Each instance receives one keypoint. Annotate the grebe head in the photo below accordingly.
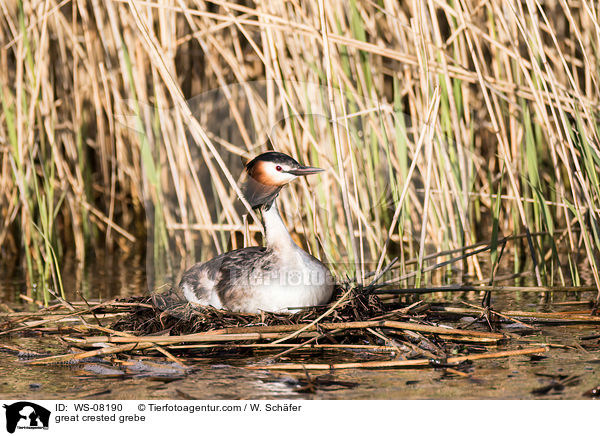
(268, 173)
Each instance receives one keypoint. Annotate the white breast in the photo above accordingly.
(297, 280)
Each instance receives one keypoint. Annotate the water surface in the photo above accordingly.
(226, 378)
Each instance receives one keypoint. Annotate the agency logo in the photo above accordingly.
(26, 415)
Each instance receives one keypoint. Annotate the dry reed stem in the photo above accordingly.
(482, 288)
(74, 357)
(269, 332)
(359, 324)
(363, 347)
(567, 317)
(416, 363)
(196, 337)
(46, 320)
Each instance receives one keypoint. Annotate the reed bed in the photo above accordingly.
(444, 126)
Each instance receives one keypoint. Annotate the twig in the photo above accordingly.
(304, 344)
(356, 325)
(501, 315)
(466, 288)
(44, 321)
(536, 316)
(397, 363)
(86, 354)
(327, 312)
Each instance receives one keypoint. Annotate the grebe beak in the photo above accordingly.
(305, 171)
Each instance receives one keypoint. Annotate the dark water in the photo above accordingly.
(107, 276)
(507, 378)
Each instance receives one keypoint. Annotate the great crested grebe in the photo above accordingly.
(280, 277)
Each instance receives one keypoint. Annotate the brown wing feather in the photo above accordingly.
(229, 274)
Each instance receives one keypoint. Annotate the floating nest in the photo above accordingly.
(170, 313)
(356, 324)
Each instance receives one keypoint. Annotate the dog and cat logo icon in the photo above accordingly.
(26, 415)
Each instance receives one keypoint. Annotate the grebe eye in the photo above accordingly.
(278, 168)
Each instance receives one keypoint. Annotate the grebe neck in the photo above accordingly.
(277, 235)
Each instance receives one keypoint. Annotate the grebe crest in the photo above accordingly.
(274, 278)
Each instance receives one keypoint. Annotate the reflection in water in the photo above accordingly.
(107, 276)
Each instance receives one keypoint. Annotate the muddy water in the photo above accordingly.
(508, 378)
